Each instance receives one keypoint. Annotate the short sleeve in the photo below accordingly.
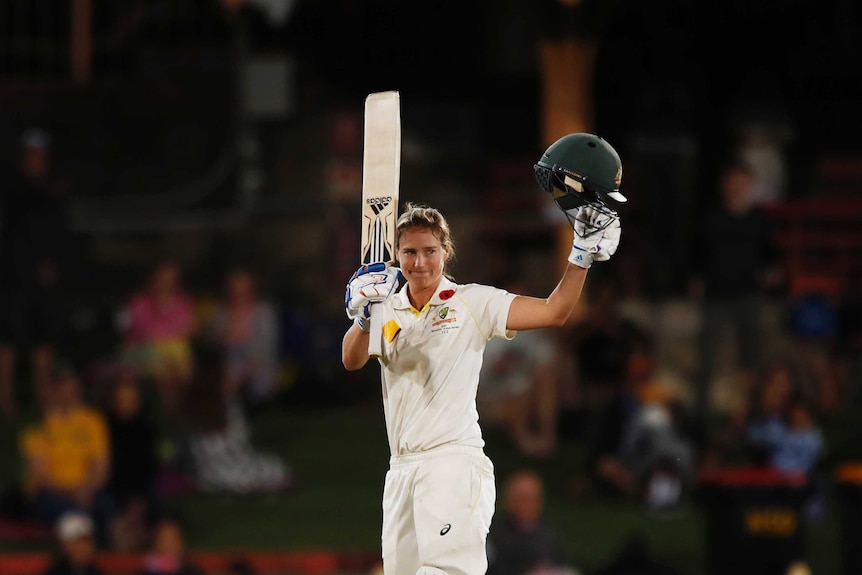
(491, 306)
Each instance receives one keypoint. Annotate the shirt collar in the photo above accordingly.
(445, 290)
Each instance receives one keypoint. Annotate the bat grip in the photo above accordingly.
(375, 336)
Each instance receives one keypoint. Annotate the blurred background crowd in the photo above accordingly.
(178, 219)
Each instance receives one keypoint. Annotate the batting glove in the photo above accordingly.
(372, 283)
(597, 235)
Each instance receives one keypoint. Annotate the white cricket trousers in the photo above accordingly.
(437, 509)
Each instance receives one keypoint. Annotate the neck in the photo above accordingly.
(418, 299)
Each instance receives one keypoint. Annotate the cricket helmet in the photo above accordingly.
(581, 169)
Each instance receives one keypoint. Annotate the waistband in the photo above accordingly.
(408, 458)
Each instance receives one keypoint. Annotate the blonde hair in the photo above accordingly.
(424, 217)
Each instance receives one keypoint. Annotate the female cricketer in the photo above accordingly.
(439, 493)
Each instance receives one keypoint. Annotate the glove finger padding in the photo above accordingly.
(589, 221)
(597, 235)
(371, 283)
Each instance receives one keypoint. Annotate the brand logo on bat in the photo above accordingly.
(378, 204)
(446, 529)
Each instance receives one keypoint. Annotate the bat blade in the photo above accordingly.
(381, 174)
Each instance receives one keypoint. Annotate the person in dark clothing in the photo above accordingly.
(34, 239)
(734, 267)
(77, 547)
(134, 462)
(521, 543)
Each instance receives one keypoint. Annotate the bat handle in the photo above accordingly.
(375, 336)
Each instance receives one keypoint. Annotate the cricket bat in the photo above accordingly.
(381, 173)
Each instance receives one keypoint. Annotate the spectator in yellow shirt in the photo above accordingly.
(66, 458)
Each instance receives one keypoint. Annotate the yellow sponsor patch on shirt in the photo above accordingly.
(391, 329)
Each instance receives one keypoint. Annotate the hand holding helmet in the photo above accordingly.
(597, 235)
(583, 174)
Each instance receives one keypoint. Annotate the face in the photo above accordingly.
(34, 161)
(67, 391)
(169, 539)
(776, 390)
(80, 550)
(166, 279)
(525, 499)
(800, 418)
(422, 258)
(127, 399)
(240, 285)
(736, 188)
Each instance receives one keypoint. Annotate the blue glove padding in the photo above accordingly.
(372, 283)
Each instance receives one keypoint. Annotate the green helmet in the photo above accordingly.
(581, 169)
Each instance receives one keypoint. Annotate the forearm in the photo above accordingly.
(354, 348)
(532, 313)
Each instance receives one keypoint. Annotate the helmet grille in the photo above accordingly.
(543, 177)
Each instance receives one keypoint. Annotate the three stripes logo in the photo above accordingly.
(379, 204)
(379, 252)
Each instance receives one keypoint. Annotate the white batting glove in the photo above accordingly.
(372, 283)
(597, 235)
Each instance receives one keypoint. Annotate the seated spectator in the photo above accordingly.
(793, 442)
(518, 390)
(246, 326)
(167, 554)
(639, 448)
(521, 543)
(67, 458)
(134, 462)
(157, 325)
(774, 390)
(219, 442)
(77, 553)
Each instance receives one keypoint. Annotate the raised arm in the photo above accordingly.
(596, 236)
(532, 312)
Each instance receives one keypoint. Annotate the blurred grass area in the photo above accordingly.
(339, 456)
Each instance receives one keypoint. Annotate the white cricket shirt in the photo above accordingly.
(431, 362)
